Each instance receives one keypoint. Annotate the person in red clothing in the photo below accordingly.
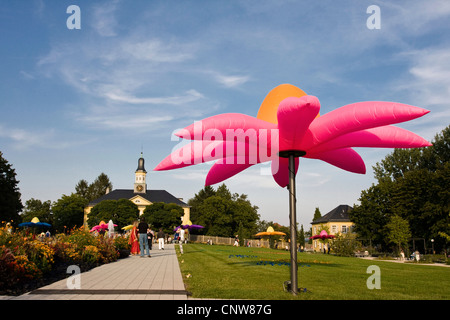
(133, 240)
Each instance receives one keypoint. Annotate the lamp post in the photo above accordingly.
(292, 154)
(432, 246)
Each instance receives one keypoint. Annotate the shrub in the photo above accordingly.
(67, 252)
(121, 243)
(345, 245)
(81, 238)
(91, 255)
(15, 269)
(24, 259)
(107, 249)
(41, 254)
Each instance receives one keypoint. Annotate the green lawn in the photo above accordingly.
(258, 273)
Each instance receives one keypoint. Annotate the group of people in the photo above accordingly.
(414, 256)
(141, 238)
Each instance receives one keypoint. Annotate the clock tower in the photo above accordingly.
(140, 186)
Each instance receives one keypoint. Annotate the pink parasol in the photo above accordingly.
(101, 227)
(323, 235)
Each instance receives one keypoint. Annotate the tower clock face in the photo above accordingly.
(139, 188)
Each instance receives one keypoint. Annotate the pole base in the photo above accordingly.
(287, 287)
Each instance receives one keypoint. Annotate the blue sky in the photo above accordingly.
(75, 103)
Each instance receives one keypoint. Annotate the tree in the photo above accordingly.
(37, 208)
(82, 189)
(122, 212)
(301, 237)
(163, 215)
(223, 213)
(68, 212)
(94, 190)
(10, 203)
(373, 213)
(397, 231)
(317, 214)
(244, 216)
(216, 217)
(345, 244)
(413, 184)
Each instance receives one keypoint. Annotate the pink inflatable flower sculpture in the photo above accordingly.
(289, 122)
(288, 126)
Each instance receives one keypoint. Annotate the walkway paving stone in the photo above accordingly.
(132, 278)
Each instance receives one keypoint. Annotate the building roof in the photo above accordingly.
(151, 195)
(338, 214)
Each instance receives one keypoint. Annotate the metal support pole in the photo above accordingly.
(293, 224)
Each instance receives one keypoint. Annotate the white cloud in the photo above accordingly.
(431, 75)
(117, 75)
(104, 19)
(190, 96)
(157, 51)
(231, 81)
(24, 139)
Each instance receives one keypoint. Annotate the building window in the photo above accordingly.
(344, 229)
(333, 229)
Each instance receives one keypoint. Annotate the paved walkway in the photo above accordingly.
(409, 262)
(132, 278)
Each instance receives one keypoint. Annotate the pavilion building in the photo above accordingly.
(336, 221)
(140, 195)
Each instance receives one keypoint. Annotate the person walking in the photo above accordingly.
(143, 241)
(150, 236)
(236, 241)
(161, 237)
(182, 232)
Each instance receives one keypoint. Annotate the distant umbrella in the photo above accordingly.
(101, 227)
(192, 226)
(270, 232)
(35, 223)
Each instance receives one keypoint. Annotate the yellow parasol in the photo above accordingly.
(128, 227)
(270, 232)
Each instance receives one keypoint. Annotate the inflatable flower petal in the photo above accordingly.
(289, 122)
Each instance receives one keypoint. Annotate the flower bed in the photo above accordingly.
(28, 262)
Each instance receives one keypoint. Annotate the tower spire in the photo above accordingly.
(140, 185)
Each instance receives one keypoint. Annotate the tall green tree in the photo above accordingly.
(216, 217)
(10, 203)
(223, 213)
(197, 200)
(94, 190)
(82, 189)
(68, 212)
(122, 212)
(317, 214)
(244, 216)
(37, 208)
(397, 231)
(413, 184)
(163, 215)
(301, 237)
